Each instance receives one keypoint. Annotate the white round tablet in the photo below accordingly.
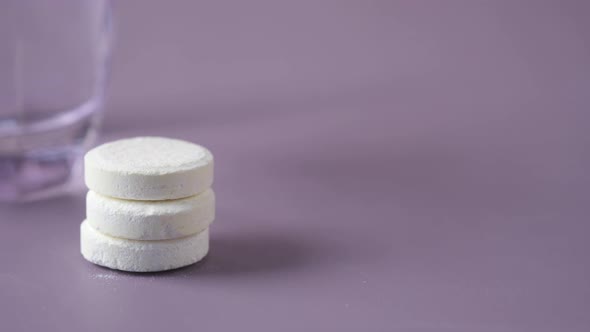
(141, 256)
(148, 168)
(150, 220)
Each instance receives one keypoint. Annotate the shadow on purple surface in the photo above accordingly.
(233, 254)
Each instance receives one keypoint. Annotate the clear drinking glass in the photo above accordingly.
(53, 57)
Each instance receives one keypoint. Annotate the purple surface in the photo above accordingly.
(380, 166)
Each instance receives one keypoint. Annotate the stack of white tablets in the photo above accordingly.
(149, 206)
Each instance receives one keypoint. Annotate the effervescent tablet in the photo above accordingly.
(148, 168)
(150, 220)
(142, 256)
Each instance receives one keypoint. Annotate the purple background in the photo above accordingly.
(380, 166)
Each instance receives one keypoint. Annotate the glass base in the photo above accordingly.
(42, 158)
(35, 176)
